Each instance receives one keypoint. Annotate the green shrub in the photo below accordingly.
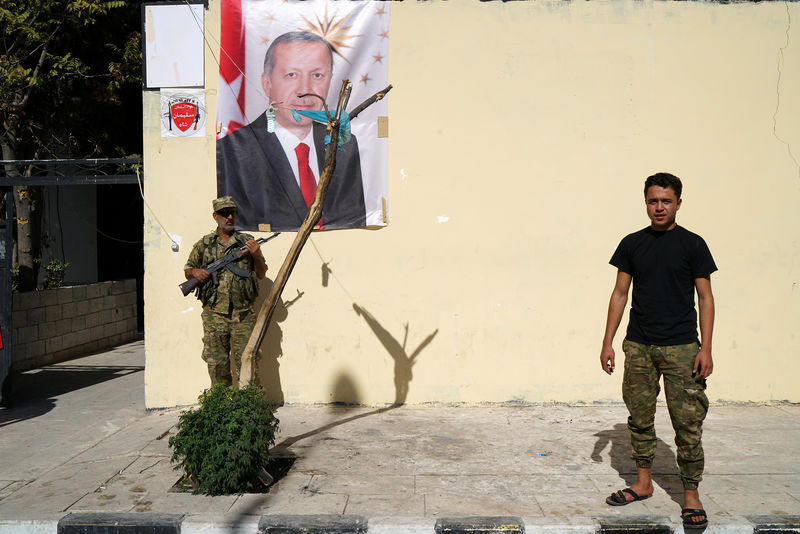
(223, 445)
(55, 274)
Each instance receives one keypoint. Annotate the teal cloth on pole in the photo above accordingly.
(322, 117)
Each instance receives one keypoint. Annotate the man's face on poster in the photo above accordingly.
(298, 68)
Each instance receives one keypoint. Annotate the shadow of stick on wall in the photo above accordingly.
(403, 361)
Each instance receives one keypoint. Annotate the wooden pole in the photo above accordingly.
(312, 218)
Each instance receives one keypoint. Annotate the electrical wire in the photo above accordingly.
(174, 243)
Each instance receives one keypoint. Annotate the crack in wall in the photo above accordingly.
(778, 90)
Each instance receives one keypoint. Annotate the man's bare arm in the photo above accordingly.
(616, 307)
(703, 362)
(259, 264)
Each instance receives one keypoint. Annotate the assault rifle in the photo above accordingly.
(226, 262)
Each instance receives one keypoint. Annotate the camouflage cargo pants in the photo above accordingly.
(686, 400)
(224, 338)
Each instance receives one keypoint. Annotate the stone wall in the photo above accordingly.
(56, 324)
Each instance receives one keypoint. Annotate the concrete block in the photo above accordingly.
(96, 305)
(49, 297)
(28, 526)
(634, 525)
(131, 324)
(64, 294)
(109, 330)
(53, 313)
(401, 525)
(63, 326)
(83, 336)
(109, 303)
(26, 300)
(70, 340)
(96, 333)
(36, 316)
(92, 320)
(82, 307)
(93, 291)
(219, 524)
(78, 323)
(119, 327)
(70, 309)
(120, 523)
(775, 524)
(106, 317)
(105, 288)
(129, 285)
(27, 334)
(54, 345)
(312, 524)
(19, 318)
(127, 299)
(479, 524)
(37, 348)
(79, 293)
(123, 312)
(117, 288)
(47, 330)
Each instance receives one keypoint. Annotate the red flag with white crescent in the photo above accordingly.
(231, 99)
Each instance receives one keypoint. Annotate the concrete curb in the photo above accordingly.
(312, 524)
(479, 525)
(28, 526)
(151, 523)
(91, 523)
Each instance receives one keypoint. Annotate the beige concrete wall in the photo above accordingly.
(520, 137)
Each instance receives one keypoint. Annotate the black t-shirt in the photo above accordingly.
(663, 266)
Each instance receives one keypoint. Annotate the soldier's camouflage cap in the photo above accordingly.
(223, 202)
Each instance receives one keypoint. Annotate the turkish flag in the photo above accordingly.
(230, 100)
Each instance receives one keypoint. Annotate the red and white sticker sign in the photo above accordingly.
(183, 114)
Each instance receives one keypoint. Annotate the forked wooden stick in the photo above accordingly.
(312, 218)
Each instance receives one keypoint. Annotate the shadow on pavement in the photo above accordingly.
(665, 468)
(34, 392)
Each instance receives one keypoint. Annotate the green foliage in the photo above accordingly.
(225, 442)
(55, 274)
(63, 66)
(15, 279)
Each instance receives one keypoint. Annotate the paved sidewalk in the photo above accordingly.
(79, 441)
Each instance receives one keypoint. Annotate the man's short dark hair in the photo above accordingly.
(664, 179)
(292, 37)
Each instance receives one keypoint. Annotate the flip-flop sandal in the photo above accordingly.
(690, 514)
(618, 498)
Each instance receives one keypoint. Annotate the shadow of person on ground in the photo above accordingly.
(34, 392)
(403, 362)
(665, 468)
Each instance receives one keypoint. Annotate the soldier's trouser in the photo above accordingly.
(224, 338)
(686, 400)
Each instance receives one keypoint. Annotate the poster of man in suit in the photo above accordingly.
(269, 157)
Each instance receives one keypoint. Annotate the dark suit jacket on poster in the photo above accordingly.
(253, 169)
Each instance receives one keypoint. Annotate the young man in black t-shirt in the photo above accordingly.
(667, 264)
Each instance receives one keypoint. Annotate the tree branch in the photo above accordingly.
(248, 371)
(368, 102)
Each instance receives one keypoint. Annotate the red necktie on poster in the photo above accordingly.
(308, 184)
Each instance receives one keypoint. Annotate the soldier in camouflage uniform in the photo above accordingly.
(228, 315)
(667, 265)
